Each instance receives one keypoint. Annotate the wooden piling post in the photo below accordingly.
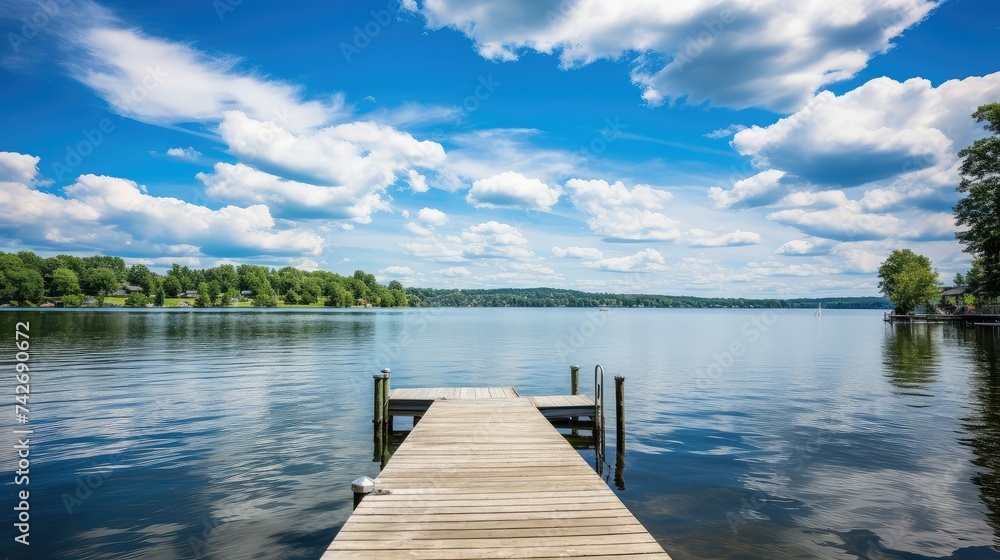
(620, 439)
(574, 387)
(385, 403)
(381, 416)
(620, 408)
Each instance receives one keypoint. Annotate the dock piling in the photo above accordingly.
(381, 420)
(361, 488)
(574, 386)
(620, 424)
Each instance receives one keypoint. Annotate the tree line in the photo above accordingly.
(27, 279)
(552, 297)
(910, 281)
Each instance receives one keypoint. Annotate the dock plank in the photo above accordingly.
(489, 477)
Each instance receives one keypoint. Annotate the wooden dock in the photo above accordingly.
(416, 401)
(485, 475)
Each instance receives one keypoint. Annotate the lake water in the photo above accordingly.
(750, 433)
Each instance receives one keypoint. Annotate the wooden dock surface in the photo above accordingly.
(490, 478)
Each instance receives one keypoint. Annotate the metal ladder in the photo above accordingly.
(599, 413)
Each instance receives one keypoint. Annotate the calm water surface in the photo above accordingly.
(751, 434)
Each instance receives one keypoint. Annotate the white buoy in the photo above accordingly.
(362, 487)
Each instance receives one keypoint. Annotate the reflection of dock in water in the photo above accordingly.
(484, 473)
(965, 320)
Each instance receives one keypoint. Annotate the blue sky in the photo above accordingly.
(756, 149)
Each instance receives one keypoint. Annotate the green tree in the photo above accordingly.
(32, 261)
(254, 278)
(311, 289)
(225, 276)
(114, 264)
(64, 282)
(140, 275)
(979, 210)
(74, 300)
(291, 298)
(908, 280)
(213, 292)
(22, 285)
(136, 299)
(172, 286)
(161, 296)
(203, 299)
(265, 300)
(227, 298)
(99, 282)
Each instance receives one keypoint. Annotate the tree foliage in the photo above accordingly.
(136, 299)
(979, 209)
(908, 280)
(64, 282)
(99, 281)
(553, 297)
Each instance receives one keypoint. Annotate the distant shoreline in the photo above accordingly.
(780, 304)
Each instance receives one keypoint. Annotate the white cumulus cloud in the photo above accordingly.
(18, 168)
(189, 153)
(116, 215)
(738, 238)
(578, 252)
(512, 190)
(733, 53)
(361, 156)
(397, 271)
(647, 260)
(418, 230)
(488, 240)
(243, 184)
(622, 213)
(454, 272)
(762, 188)
(432, 217)
(880, 131)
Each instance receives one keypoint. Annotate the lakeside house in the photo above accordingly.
(954, 295)
(188, 294)
(126, 290)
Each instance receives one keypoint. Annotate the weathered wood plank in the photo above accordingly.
(484, 476)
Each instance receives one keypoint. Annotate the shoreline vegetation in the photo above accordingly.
(28, 281)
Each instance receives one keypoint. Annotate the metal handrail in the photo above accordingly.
(599, 411)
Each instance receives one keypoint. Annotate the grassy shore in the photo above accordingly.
(173, 302)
